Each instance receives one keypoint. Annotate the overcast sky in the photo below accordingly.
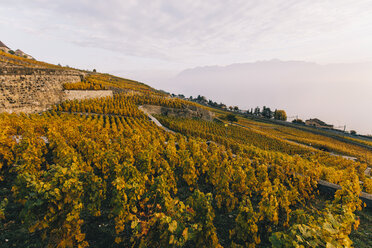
(151, 40)
(174, 35)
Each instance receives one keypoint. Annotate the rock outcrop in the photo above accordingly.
(20, 53)
(188, 111)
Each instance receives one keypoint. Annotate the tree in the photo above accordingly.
(94, 70)
(236, 108)
(298, 121)
(257, 111)
(353, 132)
(221, 105)
(280, 115)
(11, 52)
(202, 99)
(267, 113)
(231, 118)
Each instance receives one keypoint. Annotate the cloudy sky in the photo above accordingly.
(174, 35)
(151, 40)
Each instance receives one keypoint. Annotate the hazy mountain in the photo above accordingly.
(336, 93)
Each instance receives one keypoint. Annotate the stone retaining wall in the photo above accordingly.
(32, 90)
(84, 94)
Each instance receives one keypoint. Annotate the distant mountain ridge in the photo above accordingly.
(269, 64)
(337, 93)
(239, 66)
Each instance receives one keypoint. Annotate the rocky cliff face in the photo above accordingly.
(186, 112)
(32, 90)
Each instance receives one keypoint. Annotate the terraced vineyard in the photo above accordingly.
(98, 172)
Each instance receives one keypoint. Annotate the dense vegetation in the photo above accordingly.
(98, 173)
(332, 168)
(84, 85)
(14, 60)
(71, 180)
(126, 85)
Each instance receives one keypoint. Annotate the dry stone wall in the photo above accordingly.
(32, 90)
(84, 94)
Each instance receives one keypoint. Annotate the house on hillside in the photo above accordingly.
(318, 123)
(3, 47)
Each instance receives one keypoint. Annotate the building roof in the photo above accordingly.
(3, 45)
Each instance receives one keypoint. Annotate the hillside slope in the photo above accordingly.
(99, 172)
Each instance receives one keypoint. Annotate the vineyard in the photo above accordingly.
(85, 85)
(332, 168)
(71, 178)
(127, 85)
(98, 172)
(315, 140)
(17, 61)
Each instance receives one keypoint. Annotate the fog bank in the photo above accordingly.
(340, 94)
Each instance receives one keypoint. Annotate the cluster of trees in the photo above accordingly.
(231, 118)
(266, 112)
(203, 100)
(298, 121)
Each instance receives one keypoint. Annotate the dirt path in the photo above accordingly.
(153, 119)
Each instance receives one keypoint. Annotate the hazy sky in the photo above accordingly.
(339, 94)
(151, 35)
(155, 39)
